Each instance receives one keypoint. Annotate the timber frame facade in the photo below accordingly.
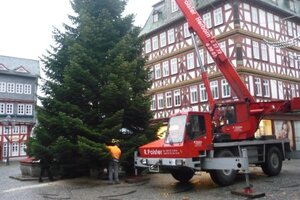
(261, 39)
(18, 99)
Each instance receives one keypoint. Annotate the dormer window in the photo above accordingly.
(174, 6)
(155, 15)
(292, 5)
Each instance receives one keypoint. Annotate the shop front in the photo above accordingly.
(283, 126)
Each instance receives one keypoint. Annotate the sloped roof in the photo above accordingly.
(20, 66)
(163, 8)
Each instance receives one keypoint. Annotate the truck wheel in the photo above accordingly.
(183, 174)
(223, 177)
(273, 163)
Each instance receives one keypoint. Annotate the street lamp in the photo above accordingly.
(8, 121)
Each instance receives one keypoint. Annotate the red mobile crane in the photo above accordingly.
(215, 141)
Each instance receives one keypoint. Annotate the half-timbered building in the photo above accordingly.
(18, 98)
(260, 37)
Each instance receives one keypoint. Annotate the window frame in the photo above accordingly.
(166, 68)
(194, 94)
(174, 66)
(214, 89)
(163, 39)
(171, 36)
(190, 61)
(168, 100)
(218, 16)
(157, 70)
(226, 92)
(177, 100)
(257, 87)
(203, 93)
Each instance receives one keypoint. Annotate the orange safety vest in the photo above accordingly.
(115, 151)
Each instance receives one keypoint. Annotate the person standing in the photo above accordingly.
(113, 167)
(45, 166)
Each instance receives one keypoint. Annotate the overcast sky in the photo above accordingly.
(26, 25)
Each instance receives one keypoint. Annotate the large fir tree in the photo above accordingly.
(96, 85)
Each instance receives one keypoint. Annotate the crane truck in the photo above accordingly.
(215, 141)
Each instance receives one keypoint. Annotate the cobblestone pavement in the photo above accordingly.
(158, 186)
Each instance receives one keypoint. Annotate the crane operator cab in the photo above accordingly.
(191, 128)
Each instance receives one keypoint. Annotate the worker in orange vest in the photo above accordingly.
(113, 167)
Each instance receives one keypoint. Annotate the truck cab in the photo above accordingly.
(188, 133)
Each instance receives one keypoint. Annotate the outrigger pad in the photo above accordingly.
(248, 192)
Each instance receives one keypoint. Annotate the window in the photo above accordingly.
(168, 99)
(255, 50)
(174, 6)
(2, 87)
(186, 31)
(19, 88)
(10, 87)
(214, 89)
(209, 58)
(266, 88)
(151, 74)
(28, 109)
(293, 91)
(262, 18)
(171, 36)
(16, 129)
(5, 149)
(155, 16)
(197, 126)
(264, 52)
(2, 108)
(203, 93)
(15, 149)
(207, 20)
(9, 108)
(190, 61)
(155, 43)
(157, 71)
(177, 100)
(27, 89)
(254, 15)
(194, 94)
(223, 47)
(23, 129)
(174, 69)
(290, 28)
(160, 100)
(166, 68)
(292, 5)
(7, 130)
(147, 46)
(22, 149)
(21, 109)
(218, 16)
(153, 104)
(201, 53)
(270, 20)
(257, 86)
(225, 88)
(163, 39)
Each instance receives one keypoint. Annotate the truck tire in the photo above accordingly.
(273, 162)
(223, 177)
(183, 174)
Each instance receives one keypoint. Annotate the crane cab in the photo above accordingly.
(188, 134)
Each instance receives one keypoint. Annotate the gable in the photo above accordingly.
(2, 67)
(21, 69)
